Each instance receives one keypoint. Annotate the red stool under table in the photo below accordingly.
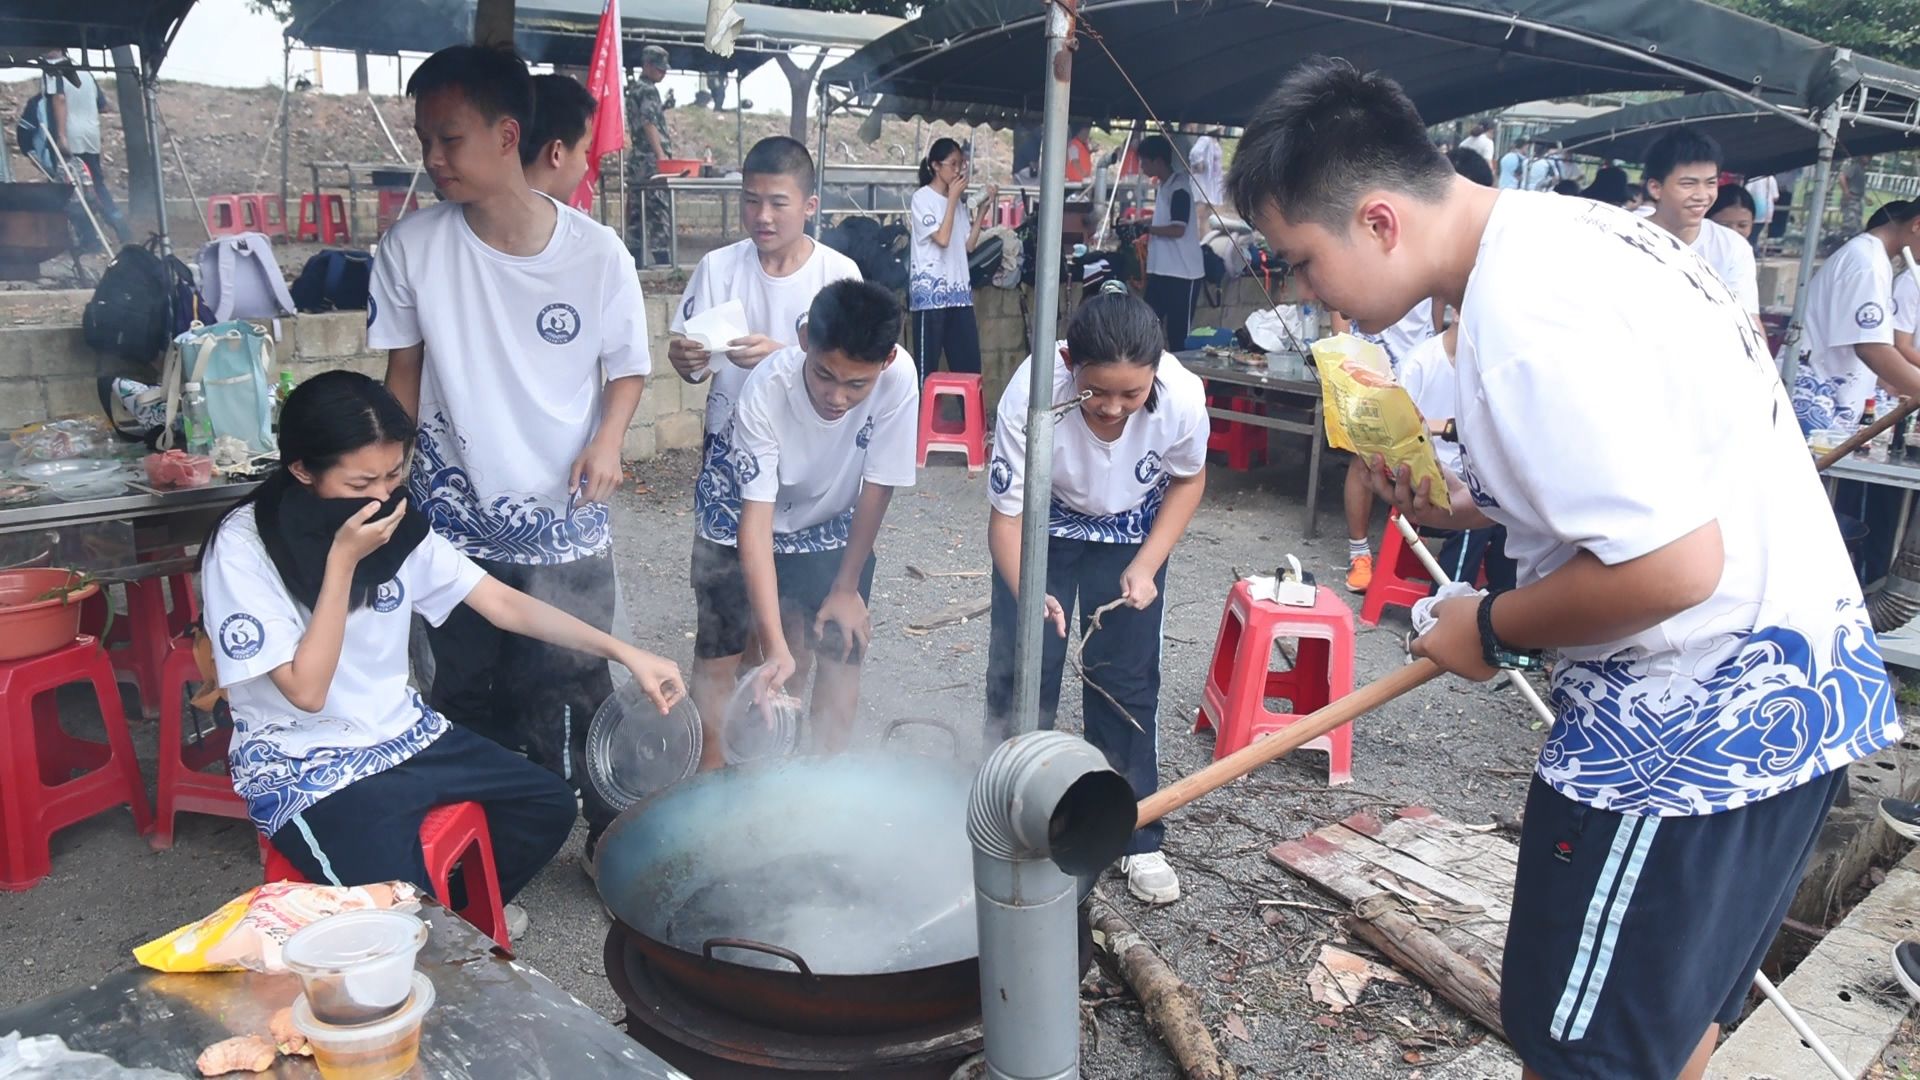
(225, 215)
(158, 611)
(182, 787)
(1241, 680)
(970, 438)
(390, 205)
(453, 838)
(264, 213)
(1244, 444)
(40, 793)
(1399, 580)
(323, 218)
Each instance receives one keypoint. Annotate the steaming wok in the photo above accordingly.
(793, 891)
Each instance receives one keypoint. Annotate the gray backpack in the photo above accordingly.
(241, 279)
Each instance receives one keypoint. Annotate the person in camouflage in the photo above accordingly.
(648, 115)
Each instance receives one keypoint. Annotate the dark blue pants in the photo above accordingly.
(1123, 657)
(948, 331)
(1464, 552)
(369, 831)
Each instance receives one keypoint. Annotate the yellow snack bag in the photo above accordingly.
(185, 949)
(1368, 413)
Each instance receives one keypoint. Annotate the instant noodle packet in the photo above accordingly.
(247, 932)
(1369, 414)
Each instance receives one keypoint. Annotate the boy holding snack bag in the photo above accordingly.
(1716, 667)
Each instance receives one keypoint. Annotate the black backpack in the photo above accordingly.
(143, 300)
(877, 250)
(31, 127)
(334, 280)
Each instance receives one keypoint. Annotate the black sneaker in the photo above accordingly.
(1906, 965)
(1902, 817)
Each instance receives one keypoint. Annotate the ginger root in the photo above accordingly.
(242, 1053)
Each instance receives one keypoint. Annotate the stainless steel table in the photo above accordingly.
(145, 520)
(491, 1018)
(1285, 381)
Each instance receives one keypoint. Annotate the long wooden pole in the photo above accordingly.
(1861, 437)
(1297, 734)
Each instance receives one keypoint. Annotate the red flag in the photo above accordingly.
(610, 102)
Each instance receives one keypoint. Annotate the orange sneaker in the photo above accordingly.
(1360, 573)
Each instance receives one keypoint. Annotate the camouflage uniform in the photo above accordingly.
(645, 107)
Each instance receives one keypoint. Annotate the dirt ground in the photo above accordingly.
(1463, 750)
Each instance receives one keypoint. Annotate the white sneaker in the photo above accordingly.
(1150, 878)
(516, 921)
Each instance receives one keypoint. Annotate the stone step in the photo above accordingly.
(1845, 990)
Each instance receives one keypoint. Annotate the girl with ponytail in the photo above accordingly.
(945, 232)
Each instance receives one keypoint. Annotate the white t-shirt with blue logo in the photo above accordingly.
(1849, 302)
(284, 759)
(1656, 412)
(775, 307)
(517, 349)
(811, 469)
(1108, 492)
(940, 278)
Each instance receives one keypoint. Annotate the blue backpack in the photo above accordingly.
(334, 280)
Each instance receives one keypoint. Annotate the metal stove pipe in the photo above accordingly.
(1045, 807)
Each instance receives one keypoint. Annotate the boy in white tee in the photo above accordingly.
(821, 437)
(774, 274)
(1682, 180)
(517, 340)
(1717, 670)
(1850, 320)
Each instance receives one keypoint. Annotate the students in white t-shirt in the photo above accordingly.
(517, 338)
(1426, 373)
(1848, 343)
(311, 584)
(821, 436)
(1175, 265)
(774, 274)
(1906, 314)
(1129, 467)
(1716, 664)
(1480, 141)
(945, 232)
(1682, 178)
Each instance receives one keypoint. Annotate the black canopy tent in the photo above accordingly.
(1756, 139)
(1213, 61)
(562, 31)
(32, 26)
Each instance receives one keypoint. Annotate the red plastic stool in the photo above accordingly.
(39, 793)
(225, 215)
(970, 438)
(389, 206)
(449, 835)
(264, 213)
(1241, 679)
(323, 218)
(182, 786)
(1398, 578)
(1242, 443)
(158, 610)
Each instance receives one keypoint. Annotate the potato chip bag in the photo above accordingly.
(1368, 413)
(185, 949)
(248, 932)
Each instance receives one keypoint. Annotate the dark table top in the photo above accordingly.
(1285, 372)
(492, 1017)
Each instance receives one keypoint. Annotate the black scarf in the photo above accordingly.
(298, 528)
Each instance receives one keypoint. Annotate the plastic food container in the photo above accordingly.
(1826, 439)
(382, 1050)
(755, 731)
(633, 751)
(357, 966)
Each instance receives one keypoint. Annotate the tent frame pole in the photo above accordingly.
(1030, 642)
(1789, 358)
(150, 86)
(820, 169)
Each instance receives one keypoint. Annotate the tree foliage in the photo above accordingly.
(1882, 29)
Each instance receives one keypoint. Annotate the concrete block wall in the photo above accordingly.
(48, 370)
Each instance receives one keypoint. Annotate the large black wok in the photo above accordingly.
(798, 892)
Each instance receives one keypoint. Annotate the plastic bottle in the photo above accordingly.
(193, 409)
(280, 395)
(1866, 421)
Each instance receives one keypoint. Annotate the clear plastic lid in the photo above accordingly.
(765, 730)
(634, 751)
(352, 939)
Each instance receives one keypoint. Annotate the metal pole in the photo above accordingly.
(149, 80)
(739, 121)
(1046, 318)
(1800, 1027)
(1789, 358)
(286, 134)
(820, 174)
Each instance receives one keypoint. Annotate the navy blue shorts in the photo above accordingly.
(1630, 935)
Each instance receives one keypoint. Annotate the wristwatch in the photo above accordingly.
(1498, 654)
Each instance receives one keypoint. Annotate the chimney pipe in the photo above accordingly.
(1045, 808)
